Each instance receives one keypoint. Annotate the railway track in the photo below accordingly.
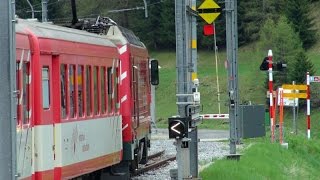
(155, 160)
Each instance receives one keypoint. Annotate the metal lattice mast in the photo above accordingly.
(186, 64)
(7, 80)
(232, 50)
(182, 153)
(193, 135)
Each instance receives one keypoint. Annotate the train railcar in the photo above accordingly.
(135, 94)
(68, 113)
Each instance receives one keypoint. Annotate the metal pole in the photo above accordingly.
(152, 106)
(7, 80)
(308, 107)
(183, 152)
(145, 8)
(193, 135)
(31, 7)
(294, 123)
(217, 68)
(44, 10)
(232, 50)
(179, 17)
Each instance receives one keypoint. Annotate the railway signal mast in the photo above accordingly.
(7, 81)
(184, 126)
(232, 58)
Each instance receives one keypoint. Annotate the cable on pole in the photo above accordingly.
(217, 69)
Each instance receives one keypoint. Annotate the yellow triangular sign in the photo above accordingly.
(209, 17)
(209, 4)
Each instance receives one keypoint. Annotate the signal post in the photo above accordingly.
(183, 127)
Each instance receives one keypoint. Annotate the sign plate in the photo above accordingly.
(295, 87)
(209, 11)
(295, 95)
(288, 101)
(314, 78)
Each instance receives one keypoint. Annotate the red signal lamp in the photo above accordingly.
(208, 30)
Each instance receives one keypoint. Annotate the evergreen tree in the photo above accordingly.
(298, 13)
(285, 44)
(250, 17)
(167, 38)
(301, 66)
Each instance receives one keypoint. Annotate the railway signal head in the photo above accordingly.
(208, 30)
(280, 66)
(178, 127)
(276, 66)
(154, 68)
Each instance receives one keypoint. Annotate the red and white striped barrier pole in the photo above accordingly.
(215, 116)
(308, 106)
(271, 95)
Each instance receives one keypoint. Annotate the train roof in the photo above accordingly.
(121, 35)
(46, 30)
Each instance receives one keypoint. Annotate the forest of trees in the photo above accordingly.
(158, 30)
(286, 26)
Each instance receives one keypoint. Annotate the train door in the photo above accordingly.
(24, 120)
(135, 92)
(43, 135)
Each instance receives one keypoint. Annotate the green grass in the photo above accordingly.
(250, 77)
(264, 160)
(251, 85)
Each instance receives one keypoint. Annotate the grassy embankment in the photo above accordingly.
(264, 160)
(250, 78)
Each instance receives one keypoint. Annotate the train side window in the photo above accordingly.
(95, 83)
(88, 90)
(25, 93)
(109, 71)
(115, 86)
(80, 90)
(72, 77)
(63, 90)
(103, 89)
(45, 88)
(18, 81)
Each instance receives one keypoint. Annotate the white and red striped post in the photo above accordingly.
(271, 95)
(308, 106)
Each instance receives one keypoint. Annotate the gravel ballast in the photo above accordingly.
(207, 152)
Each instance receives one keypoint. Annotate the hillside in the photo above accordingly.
(251, 79)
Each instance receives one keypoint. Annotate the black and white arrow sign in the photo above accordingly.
(175, 126)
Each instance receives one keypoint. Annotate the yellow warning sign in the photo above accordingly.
(209, 11)
(294, 87)
(295, 95)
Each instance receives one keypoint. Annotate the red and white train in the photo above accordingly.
(83, 108)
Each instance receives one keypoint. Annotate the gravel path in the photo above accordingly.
(208, 151)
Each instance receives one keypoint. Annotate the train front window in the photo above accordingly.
(45, 88)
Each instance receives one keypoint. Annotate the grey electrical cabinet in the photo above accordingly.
(252, 121)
